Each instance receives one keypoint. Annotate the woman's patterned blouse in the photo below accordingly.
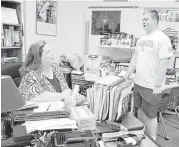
(34, 83)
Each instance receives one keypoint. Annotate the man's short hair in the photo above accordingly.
(154, 14)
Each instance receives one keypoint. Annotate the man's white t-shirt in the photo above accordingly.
(151, 49)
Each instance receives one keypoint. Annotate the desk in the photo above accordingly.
(170, 86)
(132, 123)
(147, 142)
(10, 142)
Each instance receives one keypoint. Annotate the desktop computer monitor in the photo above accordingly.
(10, 96)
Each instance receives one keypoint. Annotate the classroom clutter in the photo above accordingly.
(121, 39)
(85, 119)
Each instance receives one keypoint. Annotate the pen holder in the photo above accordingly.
(167, 81)
(177, 79)
(6, 126)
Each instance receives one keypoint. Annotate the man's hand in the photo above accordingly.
(124, 77)
(157, 90)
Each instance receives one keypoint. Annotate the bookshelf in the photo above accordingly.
(11, 30)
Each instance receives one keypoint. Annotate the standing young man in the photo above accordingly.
(150, 62)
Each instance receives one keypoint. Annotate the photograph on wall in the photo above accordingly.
(105, 22)
(168, 23)
(46, 17)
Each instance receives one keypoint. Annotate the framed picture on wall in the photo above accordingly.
(46, 17)
(105, 22)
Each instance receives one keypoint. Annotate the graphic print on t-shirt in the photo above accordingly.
(145, 44)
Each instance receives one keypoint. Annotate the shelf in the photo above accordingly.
(16, 25)
(116, 54)
(130, 49)
(11, 1)
(10, 47)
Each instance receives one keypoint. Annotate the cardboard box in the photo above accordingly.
(85, 119)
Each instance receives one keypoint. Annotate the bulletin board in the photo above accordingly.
(120, 22)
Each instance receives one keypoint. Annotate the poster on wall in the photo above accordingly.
(169, 24)
(46, 17)
(105, 22)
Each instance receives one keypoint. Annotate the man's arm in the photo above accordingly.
(161, 71)
(132, 66)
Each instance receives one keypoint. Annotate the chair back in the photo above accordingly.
(164, 103)
(12, 69)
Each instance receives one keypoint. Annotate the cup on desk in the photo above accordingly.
(167, 81)
(177, 79)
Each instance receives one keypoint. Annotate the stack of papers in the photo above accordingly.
(50, 96)
(110, 80)
(50, 106)
(52, 124)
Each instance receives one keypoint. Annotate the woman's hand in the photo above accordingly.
(80, 99)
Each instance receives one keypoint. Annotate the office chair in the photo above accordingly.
(12, 69)
(163, 106)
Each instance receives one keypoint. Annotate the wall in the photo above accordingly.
(69, 28)
(130, 21)
(130, 18)
(71, 24)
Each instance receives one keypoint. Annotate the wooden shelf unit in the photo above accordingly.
(13, 48)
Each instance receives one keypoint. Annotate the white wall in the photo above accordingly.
(130, 18)
(71, 24)
(69, 28)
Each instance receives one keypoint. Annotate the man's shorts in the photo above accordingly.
(146, 100)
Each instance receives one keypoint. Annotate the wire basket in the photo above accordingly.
(75, 139)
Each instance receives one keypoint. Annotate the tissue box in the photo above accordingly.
(85, 119)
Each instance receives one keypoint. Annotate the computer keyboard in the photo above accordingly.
(19, 117)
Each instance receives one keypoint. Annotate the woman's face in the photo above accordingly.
(47, 56)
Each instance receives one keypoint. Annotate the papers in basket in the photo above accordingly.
(110, 80)
(51, 124)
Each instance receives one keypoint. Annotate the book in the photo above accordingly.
(9, 16)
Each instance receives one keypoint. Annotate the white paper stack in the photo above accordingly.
(51, 124)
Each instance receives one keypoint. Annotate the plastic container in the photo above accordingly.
(75, 139)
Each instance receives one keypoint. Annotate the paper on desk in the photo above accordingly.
(50, 124)
(49, 96)
(50, 106)
(29, 105)
(130, 140)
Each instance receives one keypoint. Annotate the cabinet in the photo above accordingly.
(11, 31)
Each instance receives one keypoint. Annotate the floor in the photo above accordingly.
(172, 126)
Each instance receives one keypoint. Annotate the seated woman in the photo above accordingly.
(40, 73)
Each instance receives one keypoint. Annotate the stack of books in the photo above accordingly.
(11, 37)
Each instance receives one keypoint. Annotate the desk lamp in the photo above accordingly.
(10, 101)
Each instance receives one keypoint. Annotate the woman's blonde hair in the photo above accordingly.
(33, 59)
